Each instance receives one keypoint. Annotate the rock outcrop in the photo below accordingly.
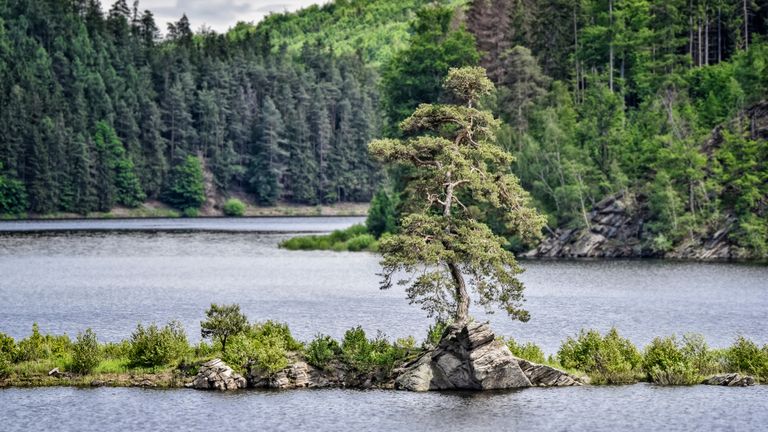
(471, 358)
(216, 375)
(730, 380)
(616, 226)
(301, 374)
(617, 230)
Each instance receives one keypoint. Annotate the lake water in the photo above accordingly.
(591, 409)
(67, 278)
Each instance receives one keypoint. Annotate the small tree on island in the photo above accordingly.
(222, 323)
(454, 165)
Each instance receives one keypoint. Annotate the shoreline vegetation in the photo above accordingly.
(162, 356)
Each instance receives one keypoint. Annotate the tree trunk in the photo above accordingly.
(746, 25)
(462, 298)
(719, 37)
(610, 46)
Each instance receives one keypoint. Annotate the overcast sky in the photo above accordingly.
(217, 14)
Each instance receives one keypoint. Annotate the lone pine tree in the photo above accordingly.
(454, 164)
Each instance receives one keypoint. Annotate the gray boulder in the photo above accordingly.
(216, 375)
(730, 380)
(470, 357)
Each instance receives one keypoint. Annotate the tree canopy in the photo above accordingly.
(455, 163)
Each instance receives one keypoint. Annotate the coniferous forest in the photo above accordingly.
(660, 100)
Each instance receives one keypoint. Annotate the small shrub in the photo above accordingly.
(434, 334)
(610, 359)
(746, 357)
(119, 350)
(699, 355)
(153, 346)
(85, 353)
(364, 355)
(7, 346)
(40, 347)
(6, 365)
(360, 242)
(322, 350)
(665, 363)
(527, 351)
(265, 346)
(280, 331)
(234, 207)
(354, 238)
(190, 212)
(223, 322)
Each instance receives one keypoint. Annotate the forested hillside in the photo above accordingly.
(598, 98)
(98, 111)
(607, 97)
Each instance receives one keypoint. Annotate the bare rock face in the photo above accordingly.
(471, 358)
(547, 376)
(300, 374)
(216, 375)
(730, 380)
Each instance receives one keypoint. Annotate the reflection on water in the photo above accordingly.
(626, 408)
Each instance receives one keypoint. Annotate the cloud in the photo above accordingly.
(219, 15)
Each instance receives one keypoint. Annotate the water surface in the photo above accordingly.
(110, 281)
(591, 409)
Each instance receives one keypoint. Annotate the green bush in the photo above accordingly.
(665, 363)
(265, 352)
(354, 238)
(610, 359)
(704, 360)
(116, 350)
(527, 351)
(6, 365)
(746, 357)
(280, 331)
(360, 242)
(85, 353)
(365, 355)
(234, 207)
(153, 346)
(434, 334)
(190, 212)
(41, 347)
(322, 350)
(265, 346)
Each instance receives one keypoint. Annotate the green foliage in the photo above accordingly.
(116, 172)
(365, 354)
(414, 75)
(435, 333)
(222, 323)
(322, 350)
(264, 346)
(527, 351)
(454, 163)
(746, 357)
(354, 239)
(13, 196)
(38, 347)
(185, 187)
(7, 354)
(382, 215)
(665, 363)
(607, 359)
(234, 207)
(86, 354)
(154, 347)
